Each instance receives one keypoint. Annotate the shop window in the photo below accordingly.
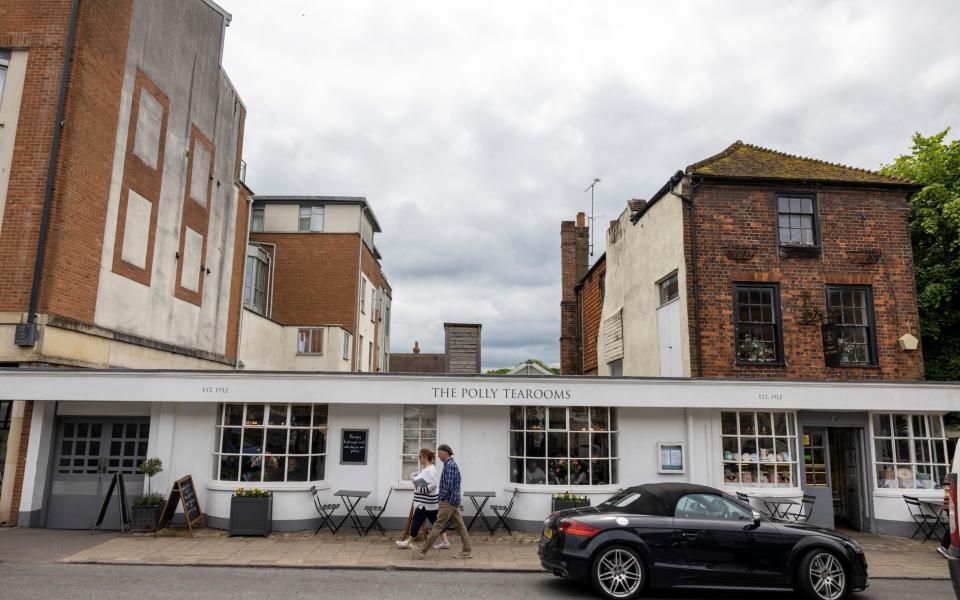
(814, 458)
(563, 446)
(910, 451)
(311, 218)
(759, 449)
(797, 220)
(850, 309)
(757, 324)
(271, 442)
(310, 340)
(418, 430)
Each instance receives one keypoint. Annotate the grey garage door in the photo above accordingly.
(89, 451)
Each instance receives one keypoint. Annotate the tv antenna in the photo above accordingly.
(590, 187)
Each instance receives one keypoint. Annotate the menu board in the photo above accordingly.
(183, 492)
(831, 345)
(115, 484)
(671, 457)
(353, 446)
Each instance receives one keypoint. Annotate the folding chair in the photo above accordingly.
(502, 512)
(803, 513)
(926, 523)
(325, 511)
(375, 512)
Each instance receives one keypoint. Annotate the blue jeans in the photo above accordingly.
(419, 517)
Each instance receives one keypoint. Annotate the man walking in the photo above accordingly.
(449, 507)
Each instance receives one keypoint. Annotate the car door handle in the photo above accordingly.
(690, 535)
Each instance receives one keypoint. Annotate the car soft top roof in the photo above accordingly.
(668, 494)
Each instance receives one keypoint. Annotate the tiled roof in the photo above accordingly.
(417, 363)
(747, 161)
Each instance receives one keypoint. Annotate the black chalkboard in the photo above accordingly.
(353, 446)
(185, 492)
(831, 345)
(115, 484)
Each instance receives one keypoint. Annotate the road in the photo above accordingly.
(33, 581)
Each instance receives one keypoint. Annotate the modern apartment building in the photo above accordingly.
(314, 282)
(123, 211)
(755, 263)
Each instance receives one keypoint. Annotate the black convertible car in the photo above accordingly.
(679, 535)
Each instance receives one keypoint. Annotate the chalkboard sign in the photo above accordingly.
(185, 492)
(831, 345)
(353, 446)
(115, 484)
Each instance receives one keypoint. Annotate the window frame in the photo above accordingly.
(911, 438)
(254, 212)
(315, 214)
(871, 326)
(778, 324)
(734, 506)
(308, 342)
(791, 438)
(363, 295)
(674, 276)
(405, 457)
(222, 426)
(261, 261)
(346, 344)
(612, 459)
(815, 245)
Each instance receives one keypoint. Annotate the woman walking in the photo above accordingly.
(425, 499)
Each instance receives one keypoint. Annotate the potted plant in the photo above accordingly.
(251, 512)
(565, 500)
(146, 509)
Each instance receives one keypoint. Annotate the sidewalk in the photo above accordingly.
(888, 557)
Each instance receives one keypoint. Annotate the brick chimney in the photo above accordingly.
(574, 262)
(416, 347)
(462, 347)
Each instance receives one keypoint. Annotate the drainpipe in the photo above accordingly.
(26, 334)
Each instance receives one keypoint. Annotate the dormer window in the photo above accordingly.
(797, 220)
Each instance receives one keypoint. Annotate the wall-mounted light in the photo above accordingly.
(908, 342)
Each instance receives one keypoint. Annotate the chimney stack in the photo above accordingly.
(462, 347)
(416, 347)
(574, 262)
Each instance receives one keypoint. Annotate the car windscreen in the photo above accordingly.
(637, 502)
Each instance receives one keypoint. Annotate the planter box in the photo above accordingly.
(565, 504)
(251, 516)
(144, 517)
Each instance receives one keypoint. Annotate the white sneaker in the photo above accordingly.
(442, 545)
(403, 543)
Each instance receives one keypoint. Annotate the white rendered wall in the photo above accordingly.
(268, 345)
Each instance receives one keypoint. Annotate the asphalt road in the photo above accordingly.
(33, 581)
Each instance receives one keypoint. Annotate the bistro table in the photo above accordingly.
(779, 506)
(936, 510)
(351, 498)
(485, 497)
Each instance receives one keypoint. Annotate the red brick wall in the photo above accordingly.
(741, 219)
(591, 309)
(315, 281)
(78, 208)
(239, 250)
(371, 268)
(573, 265)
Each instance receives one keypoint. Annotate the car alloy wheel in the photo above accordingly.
(618, 572)
(827, 577)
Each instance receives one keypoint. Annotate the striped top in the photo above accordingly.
(426, 496)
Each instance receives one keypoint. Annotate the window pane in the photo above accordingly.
(297, 468)
(886, 476)
(728, 423)
(558, 418)
(579, 445)
(233, 414)
(516, 443)
(747, 426)
(536, 445)
(229, 468)
(319, 415)
(317, 467)
(579, 421)
(534, 472)
(558, 472)
(919, 426)
(598, 418)
(903, 450)
(884, 450)
(252, 441)
(254, 414)
(277, 441)
(300, 441)
(411, 416)
(274, 468)
(516, 470)
(764, 426)
(600, 472)
(557, 444)
(901, 425)
(250, 468)
(780, 423)
(600, 448)
(278, 414)
(905, 477)
(516, 417)
(535, 418)
(881, 425)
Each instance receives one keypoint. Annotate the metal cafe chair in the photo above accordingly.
(375, 511)
(926, 523)
(502, 511)
(324, 510)
(745, 498)
(804, 511)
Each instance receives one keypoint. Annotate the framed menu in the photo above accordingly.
(353, 446)
(672, 457)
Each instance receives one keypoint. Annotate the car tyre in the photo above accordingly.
(823, 576)
(618, 573)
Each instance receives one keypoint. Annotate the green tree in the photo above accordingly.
(935, 233)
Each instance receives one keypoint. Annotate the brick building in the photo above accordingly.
(754, 263)
(582, 299)
(461, 353)
(123, 214)
(314, 283)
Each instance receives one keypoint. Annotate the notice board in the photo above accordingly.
(353, 446)
(183, 492)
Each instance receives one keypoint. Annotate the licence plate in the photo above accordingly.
(548, 533)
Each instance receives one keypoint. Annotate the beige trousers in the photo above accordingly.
(446, 513)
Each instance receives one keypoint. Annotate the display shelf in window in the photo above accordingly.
(759, 448)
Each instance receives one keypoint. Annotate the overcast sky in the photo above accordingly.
(473, 127)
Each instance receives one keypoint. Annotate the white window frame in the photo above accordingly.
(253, 219)
(363, 295)
(346, 345)
(370, 356)
(662, 287)
(758, 464)
(306, 338)
(421, 440)
(318, 424)
(260, 260)
(314, 214)
(911, 439)
(613, 460)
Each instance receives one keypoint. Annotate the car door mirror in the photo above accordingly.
(757, 518)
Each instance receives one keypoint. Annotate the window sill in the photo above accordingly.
(900, 492)
(853, 366)
(534, 488)
(763, 492)
(776, 365)
(272, 486)
(791, 251)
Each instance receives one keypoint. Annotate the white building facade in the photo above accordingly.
(530, 436)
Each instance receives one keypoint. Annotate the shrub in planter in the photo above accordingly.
(565, 500)
(145, 512)
(251, 512)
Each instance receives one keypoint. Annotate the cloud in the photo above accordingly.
(472, 128)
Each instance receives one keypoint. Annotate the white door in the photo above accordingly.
(668, 321)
